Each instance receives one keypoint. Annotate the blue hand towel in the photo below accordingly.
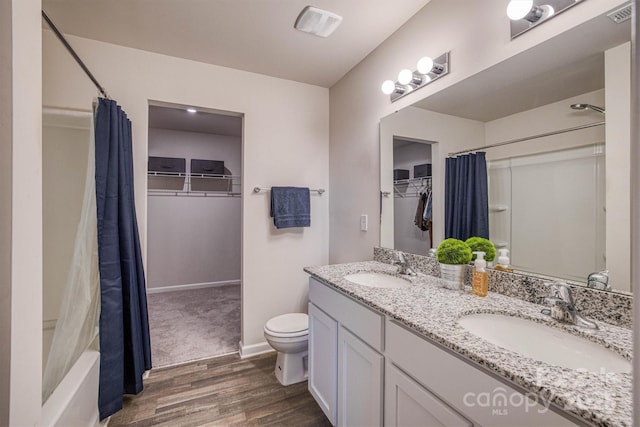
(290, 207)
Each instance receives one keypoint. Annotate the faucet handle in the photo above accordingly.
(561, 291)
(401, 257)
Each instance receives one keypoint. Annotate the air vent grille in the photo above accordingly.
(623, 14)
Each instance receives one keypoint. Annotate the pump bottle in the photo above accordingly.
(503, 261)
(480, 282)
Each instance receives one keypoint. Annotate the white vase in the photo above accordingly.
(453, 275)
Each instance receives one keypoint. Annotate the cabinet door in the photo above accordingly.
(409, 404)
(323, 361)
(360, 373)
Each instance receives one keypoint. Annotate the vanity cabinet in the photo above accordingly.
(323, 362)
(346, 365)
(443, 380)
(360, 373)
(407, 403)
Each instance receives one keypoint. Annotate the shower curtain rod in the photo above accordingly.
(527, 138)
(74, 54)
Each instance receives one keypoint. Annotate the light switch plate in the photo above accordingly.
(364, 220)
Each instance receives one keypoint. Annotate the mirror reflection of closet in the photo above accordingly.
(412, 202)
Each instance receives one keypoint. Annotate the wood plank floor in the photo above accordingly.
(223, 391)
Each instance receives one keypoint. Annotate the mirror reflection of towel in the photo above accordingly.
(290, 207)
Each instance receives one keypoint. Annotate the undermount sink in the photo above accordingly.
(544, 343)
(377, 280)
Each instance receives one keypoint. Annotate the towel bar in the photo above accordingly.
(259, 189)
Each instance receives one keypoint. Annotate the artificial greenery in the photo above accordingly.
(480, 244)
(453, 251)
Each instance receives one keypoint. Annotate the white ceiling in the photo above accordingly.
(250, 35)
(178, 118)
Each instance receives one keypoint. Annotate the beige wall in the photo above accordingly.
(6, 131)
(26, 215)
(476, 33)
(618, 164)
(285, 143)
(194, 240)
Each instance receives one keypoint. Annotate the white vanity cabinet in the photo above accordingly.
(458, 387)
(346, 366)
(407, 403)
(368, 370)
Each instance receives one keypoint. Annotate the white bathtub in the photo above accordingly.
(75, 401)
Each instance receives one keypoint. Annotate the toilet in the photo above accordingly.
(288, 334)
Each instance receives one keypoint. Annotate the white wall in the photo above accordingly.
(477, 34)
(6, 131)
(194, 240)
(25, 343)
(285, 143)
(618, 164)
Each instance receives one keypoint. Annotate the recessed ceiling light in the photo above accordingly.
(317, 21)
(191, 110)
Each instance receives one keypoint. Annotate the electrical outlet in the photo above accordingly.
(364, 222)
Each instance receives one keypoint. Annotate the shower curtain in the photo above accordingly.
(466, 197)
(77, 325)
(125, 351)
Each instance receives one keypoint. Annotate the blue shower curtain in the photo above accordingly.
(466, 197)
(125, 351)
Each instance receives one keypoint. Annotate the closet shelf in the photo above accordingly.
(411, 187)
(192, 184)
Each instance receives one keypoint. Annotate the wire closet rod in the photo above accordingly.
(74, 54)
(259, 189)
(527, 138)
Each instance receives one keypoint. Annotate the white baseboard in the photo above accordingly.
(254, 349)
(191, 286)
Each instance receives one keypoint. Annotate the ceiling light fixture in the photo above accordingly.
(317, 21)
(526, 14)
(191, 110)
(428, 70)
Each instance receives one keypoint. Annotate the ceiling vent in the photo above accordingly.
(620, 15)
(317, 21)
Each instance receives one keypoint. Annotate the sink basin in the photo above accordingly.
(377, 280)
(544, 343)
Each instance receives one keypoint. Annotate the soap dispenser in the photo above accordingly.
(480, 282)
(503, 261)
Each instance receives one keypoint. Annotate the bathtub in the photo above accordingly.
(75, 401)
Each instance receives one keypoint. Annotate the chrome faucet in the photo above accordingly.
(563, 308)
(599, 280)
(403, 265)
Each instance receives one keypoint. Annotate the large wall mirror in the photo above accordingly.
(560, 202)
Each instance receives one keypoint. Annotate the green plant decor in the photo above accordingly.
(480, 244)
(453, 251)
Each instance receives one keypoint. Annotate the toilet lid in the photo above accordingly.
(288, 323)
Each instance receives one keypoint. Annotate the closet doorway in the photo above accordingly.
(412, 196)
(194, 232)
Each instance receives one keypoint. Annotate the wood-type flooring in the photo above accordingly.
(223, 391)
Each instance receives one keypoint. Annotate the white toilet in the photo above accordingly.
(288, 334)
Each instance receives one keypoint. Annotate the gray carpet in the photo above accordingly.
(193, 324)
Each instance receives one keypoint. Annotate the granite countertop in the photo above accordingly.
(428, 308)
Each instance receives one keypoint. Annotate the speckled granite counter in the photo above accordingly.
(603, 399)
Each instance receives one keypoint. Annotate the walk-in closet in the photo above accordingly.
(412, 196)
(194, 233)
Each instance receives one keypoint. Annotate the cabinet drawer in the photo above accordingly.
(360, 320)
(470, 391)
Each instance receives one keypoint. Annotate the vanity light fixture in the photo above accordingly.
(526, 14)
(428, 70)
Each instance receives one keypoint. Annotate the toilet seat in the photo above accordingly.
(288, 325)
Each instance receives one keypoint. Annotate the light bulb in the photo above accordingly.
(518, 9)
(425, 65)
(192, 110)
(388, 86)
(405, 76)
